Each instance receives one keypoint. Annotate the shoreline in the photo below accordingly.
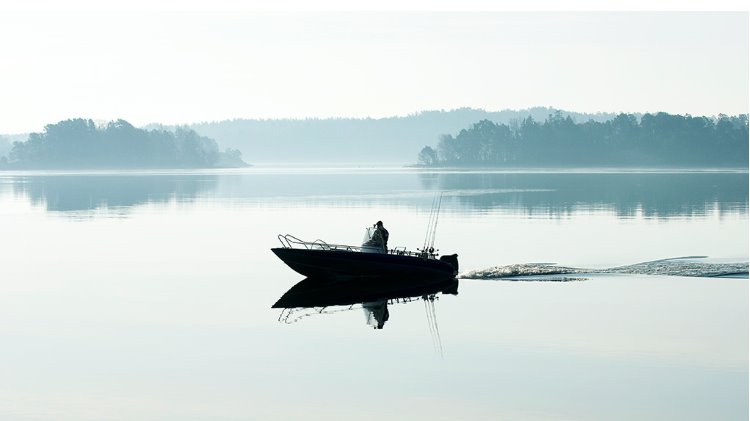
(360, 167)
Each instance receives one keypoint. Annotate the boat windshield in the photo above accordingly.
(372, 242)
(368, 234)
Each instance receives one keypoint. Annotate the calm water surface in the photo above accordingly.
(147, 295)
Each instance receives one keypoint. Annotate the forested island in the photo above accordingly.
(82, 144)
(656, 140)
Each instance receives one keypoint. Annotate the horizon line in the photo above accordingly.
(391, 116)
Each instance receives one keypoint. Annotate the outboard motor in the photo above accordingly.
(451, 259)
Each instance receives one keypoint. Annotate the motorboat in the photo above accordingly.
(322, 260)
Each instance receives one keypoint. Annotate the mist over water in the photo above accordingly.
(150, 294)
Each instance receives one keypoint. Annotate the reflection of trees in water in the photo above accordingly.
(429, 181)
(628, 194)
(88, 192)
(555, 194)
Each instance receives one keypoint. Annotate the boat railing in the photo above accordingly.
(289, 241)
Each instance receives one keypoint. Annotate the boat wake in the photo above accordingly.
(692, 266)
(521, 272)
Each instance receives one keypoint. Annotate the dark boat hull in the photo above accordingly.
(334, 264)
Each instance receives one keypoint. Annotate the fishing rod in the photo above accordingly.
(429, 223)
(429, 239)
(437, 215)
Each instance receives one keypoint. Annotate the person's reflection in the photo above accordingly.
(376, 313)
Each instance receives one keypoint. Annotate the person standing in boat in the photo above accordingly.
(383, 234)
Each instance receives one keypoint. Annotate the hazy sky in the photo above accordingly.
(176, 67)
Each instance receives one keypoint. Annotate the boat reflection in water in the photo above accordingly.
(324, 296)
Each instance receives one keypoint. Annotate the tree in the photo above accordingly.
(447, 149)
(428, 156)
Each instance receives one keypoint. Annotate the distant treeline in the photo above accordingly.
(382, 140)
(5, 145)
(81, 144)
(656, 140)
